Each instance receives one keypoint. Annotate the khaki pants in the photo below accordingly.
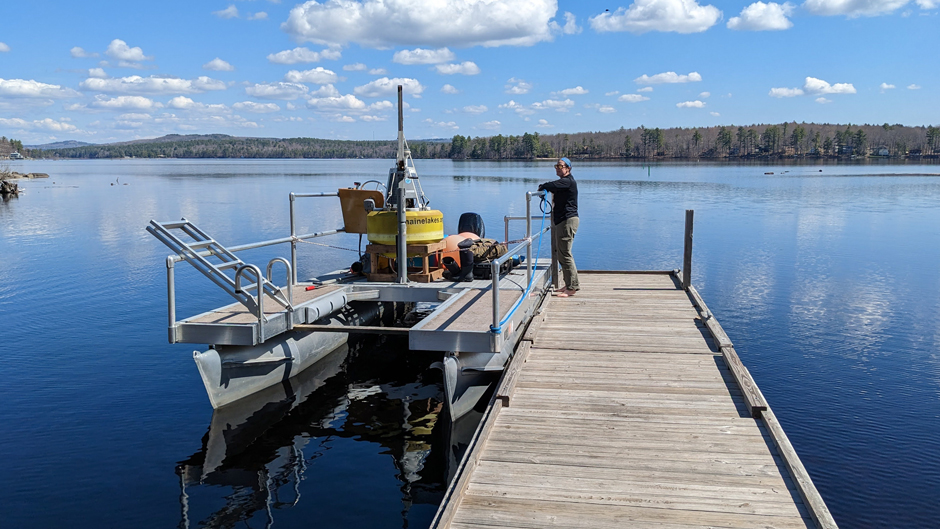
(564, 238)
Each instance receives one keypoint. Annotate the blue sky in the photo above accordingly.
(104, 71)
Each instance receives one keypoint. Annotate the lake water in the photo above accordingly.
(825, 278)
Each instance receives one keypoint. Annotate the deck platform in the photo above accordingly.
(625, 409)
(461, 321)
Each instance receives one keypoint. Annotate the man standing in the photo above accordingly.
(565, 219)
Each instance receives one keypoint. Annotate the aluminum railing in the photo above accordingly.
(171, 260)
(526, 243)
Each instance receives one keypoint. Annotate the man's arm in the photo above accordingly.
(555, 185)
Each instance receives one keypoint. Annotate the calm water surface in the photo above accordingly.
(826, 281)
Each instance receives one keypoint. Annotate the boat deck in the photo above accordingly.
(625, 410)
(460, 323)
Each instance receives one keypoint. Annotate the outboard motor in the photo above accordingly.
(473, 223)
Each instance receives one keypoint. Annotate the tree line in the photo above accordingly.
(790, 140)
(760, 141)
(8, 145)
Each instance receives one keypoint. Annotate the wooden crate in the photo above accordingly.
(425, 274)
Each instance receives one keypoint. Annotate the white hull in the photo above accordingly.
(232, 372)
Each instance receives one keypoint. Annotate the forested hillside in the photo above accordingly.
(762, 141)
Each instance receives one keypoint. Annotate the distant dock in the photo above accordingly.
(627, 406)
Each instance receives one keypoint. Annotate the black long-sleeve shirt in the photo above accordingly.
(565, 198)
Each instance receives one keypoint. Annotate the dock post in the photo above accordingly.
(687, 254)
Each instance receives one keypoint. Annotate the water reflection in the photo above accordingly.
(279, 450)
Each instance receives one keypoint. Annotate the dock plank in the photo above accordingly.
(626, 413)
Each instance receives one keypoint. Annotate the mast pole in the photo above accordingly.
(402, 214)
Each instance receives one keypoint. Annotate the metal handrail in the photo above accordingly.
(171, 260)
(259, 279)
(496, 328)
(290, 286)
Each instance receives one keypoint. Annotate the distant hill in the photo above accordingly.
(59, 145)
(178, 138)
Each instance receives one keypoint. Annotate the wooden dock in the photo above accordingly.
(626, 406)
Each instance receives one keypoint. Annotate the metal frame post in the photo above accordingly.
(293, 242)
(171, 298)
(494, 268)
(687, 253)
(554, 257)
(506, 222)
(528, 236)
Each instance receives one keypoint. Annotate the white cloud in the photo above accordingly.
(423, 56)
(886, 86)
(705, 95)
(544, 124)
(218, 65)
(615, 92)
(606, 109)
(324, 91)
(47, 124)
(464, 68)
(517, 86)
(80, 53)
(475, 109)
(691, 104)
(257, 108)
(927, 4)
(318, 75)
(442, 124)
(632, 98)
(516, 107)
(449, 89)
(305, 55)
(185, 103)
(4, 47)
(373, 118)
(136, 84)
(785, 92)
(680, 16)
(282, 91)
(668, 77)
(31, 88)
(852, 8)
(576, 91)
(571, 26)
(763, 17)
(645, 89)
(181, 102)
(490, 125)
(378, 71)
(334, 104)
(716, 114)
(389, 87)
(124, 103)
(118, 49)
(818, 86)
(384, 23)
(823, 100)
(228, 12)
(97, 73)
(553, 104)
(260, 15)
(355, 67)
(913, 87)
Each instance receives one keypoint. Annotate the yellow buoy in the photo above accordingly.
(424, 227)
